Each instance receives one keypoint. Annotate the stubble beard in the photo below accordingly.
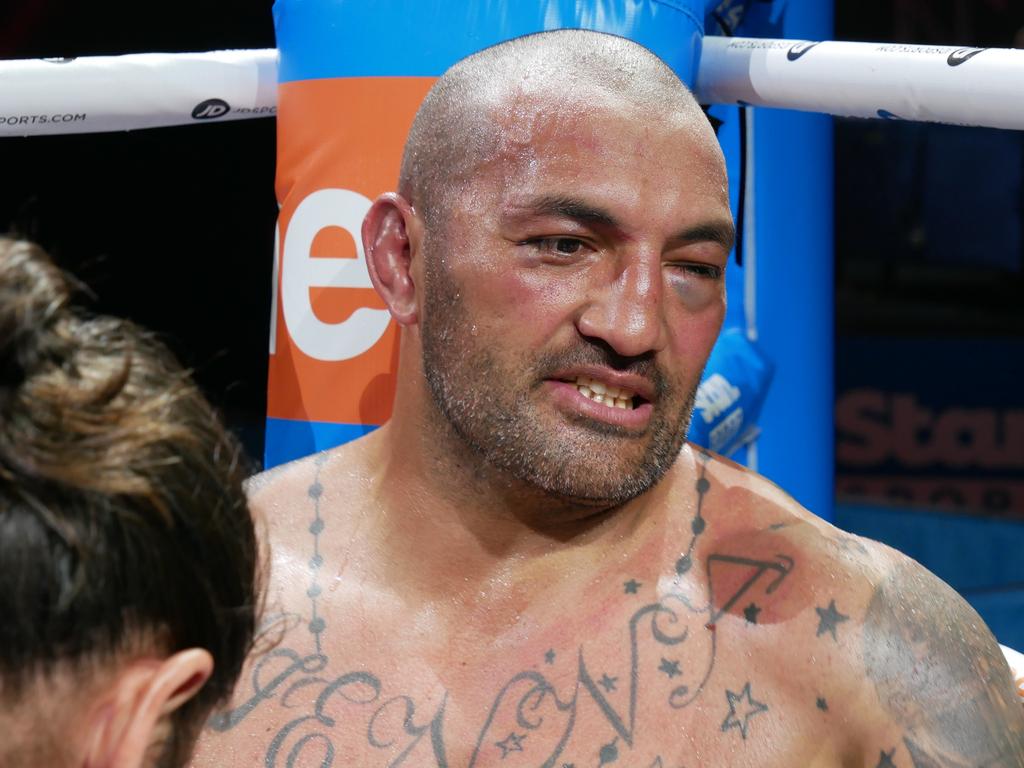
(489, 408)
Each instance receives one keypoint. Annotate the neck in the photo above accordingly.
(462, 520)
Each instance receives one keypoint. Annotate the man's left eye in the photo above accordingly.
(708, 271)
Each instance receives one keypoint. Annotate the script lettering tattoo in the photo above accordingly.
(269, 665)
(940, 676)
(670, 655)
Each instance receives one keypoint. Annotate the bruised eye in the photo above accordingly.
(706, 271)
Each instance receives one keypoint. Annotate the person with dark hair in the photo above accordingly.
(528, 565)
(128, 559)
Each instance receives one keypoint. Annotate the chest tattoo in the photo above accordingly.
(668, 651)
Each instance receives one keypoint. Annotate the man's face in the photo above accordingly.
(574, 294)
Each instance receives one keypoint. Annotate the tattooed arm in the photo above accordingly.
(940, 677)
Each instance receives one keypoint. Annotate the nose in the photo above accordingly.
(627, 311)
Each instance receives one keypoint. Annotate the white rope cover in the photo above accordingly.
(966, 86)
(963, 86)
(117, 93)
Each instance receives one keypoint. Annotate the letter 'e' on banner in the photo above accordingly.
(333, 345)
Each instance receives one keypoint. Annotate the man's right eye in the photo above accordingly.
(559, 246)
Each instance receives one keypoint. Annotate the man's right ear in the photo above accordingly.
(392, 232)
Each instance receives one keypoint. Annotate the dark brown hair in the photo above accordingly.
(123, 522)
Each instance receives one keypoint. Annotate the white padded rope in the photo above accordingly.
(962, 86)
(967, 86)
(119, 93)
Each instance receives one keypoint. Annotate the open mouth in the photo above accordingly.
(608, 395)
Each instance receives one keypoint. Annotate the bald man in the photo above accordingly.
(527, 566)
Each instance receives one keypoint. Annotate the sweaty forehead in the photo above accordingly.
(510, 110)
(595, 140)
(526, 118)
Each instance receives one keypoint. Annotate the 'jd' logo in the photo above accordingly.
(206, 110)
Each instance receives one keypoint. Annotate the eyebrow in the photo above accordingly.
(569, 208)
(722, 232)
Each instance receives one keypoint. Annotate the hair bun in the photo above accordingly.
(34, 294)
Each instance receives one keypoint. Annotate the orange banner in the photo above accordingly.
(333, 346)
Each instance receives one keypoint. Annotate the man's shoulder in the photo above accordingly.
(734, 483)
(935, 688)
(735, 497)
(295, 481)
(283, 477)
(938, 671)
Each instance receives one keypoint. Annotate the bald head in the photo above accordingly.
(495, 97)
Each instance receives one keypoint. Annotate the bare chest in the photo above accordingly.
(649, 678)
(706, 643)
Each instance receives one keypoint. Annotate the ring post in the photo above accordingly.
(788, 269)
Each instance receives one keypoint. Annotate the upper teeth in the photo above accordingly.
(615, 397)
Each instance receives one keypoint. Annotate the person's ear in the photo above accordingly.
(128, 719)
(391, 236)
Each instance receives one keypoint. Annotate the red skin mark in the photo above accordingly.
(767, 552)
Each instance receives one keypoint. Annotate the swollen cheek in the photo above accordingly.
(697, 297)
(696, 332)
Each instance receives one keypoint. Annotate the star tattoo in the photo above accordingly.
(742, 707)
(608, 683)
(549, 657)
(632, 586)
(750, 613)
(822, 704)
(885, 759)
(511, 743)
(670, 668)
(828, 619)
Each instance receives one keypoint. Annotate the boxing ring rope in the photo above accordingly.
(149, 90)
(962, 86)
